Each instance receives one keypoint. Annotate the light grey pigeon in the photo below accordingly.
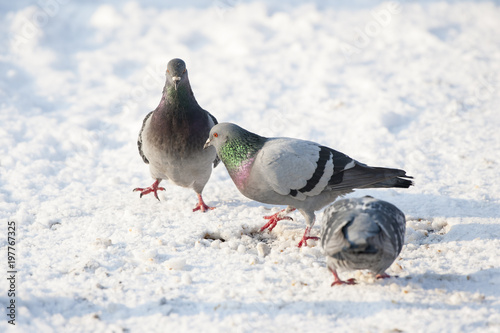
(362, 233)
(172, 136)
(300, 174)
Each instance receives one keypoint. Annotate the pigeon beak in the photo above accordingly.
(207, 144)
(176, 79)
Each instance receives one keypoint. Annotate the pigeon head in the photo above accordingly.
(176, 72)
(235, 145)
(221, 133)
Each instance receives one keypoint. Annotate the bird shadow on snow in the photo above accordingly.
(418, 205)
(472, 231)
(438, 209)
(482, 281)
(429, 205)
(441, 232)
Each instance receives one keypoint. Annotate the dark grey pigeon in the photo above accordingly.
(172, 137)
(362, 233)
(300, 174)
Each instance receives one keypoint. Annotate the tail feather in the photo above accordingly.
(401, 182)
(359, 231)
(364, 176)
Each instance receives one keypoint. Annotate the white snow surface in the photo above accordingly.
(411, 85)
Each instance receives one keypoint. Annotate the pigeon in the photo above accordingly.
(301, 174)
(362, 233)
(172, 136)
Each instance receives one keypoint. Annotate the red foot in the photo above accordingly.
(306, 236)
(273, 219)
(153, 188)
(338, 281)
(201, 205)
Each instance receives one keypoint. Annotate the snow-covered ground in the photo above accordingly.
(412, 85)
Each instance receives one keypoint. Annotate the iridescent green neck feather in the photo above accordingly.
(181, 97)
(238, 154)
(235, 153)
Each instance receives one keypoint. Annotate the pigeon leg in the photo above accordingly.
(306, 236)
(273, 219)
(338, 281)
(201, 205)
(153, 188)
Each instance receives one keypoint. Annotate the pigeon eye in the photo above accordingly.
(184, 71)
(216, 135)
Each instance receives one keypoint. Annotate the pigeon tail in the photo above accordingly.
(401, 182)
(358, 232)
(364, 176)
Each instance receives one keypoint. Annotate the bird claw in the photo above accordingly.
(201, 205)
(340, 282)
(271, 224)
(275, 218)
(273, 221)
(153, 188)
(304, 239)
(306, 236)
(351, 281)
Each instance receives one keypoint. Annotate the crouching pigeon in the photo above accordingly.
(172, 137)
(300, 174)
(362, 233)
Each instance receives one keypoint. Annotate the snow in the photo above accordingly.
(412, 85)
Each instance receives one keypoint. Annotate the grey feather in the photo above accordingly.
(139, 139)
(362, 233)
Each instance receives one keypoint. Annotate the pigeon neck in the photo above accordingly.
(238, 157)
(176, 103)
(181, 96)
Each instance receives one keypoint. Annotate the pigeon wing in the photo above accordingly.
(335, 218)
(139, 139)
(294, 167)
(392, 221)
